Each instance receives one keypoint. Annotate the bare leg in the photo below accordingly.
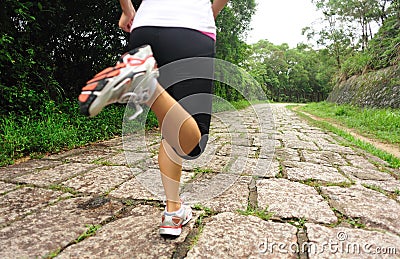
(174, 119)
(180, 131)
(171, 172)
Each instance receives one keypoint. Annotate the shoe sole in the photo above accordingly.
(102, 90)
(105, 92)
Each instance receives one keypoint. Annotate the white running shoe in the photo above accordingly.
(132, 79)
(172, 222)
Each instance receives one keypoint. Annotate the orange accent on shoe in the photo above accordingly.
(95, 79)
(90, 87)
(109, 69)
(113, 73)
(137, 61)
(83, 98)
(173, 227)
(120, 65)
(176, 220)
(110, 74)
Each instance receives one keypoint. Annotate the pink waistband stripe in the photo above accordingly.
(210, 34)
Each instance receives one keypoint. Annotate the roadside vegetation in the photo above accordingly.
(62, 127)
(380, 124)
(349, 139)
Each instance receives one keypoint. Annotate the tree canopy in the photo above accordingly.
(50, 48)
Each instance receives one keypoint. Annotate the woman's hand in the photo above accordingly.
(128, 13)
(126, 20)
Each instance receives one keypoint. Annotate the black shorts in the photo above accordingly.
(171, 44)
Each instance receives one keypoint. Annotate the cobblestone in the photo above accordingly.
(256, 178)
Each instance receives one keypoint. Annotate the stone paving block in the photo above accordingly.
(224, 150)
(255, 167)
(300, 145)
(324, 157)
(305, 137)
(134, 143)
(151, 180)
(360, 161)
(373, 208)
(217, 164)
(264, 168)
(11, 172)
(237, 141)
(208, 186)
(233, 199)
(89, 156)
(204, 160)
(229, 235)
(23, 201)
(114, 143)
(136, 189)
(117, 160)
(6, 187)
(134, 236)
(127, 158)
(356, 173)
(375, 159)
(100, 180)
(342, 242)
(55, 175)
(335, 148)
(287, 136)
(301, 201)
(321, 136)
(269, 145)
(287, 154)
(63, 154)
(301, 171)
(52, 228)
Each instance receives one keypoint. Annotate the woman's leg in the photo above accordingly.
(179, 129)
(177, 126)
(171, 170)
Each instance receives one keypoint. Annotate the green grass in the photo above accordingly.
(381, 124)
(393, 161)
(90, 231)
(260, 213)
(220, 106)
(55, 128)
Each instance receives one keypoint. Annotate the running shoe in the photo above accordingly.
(133, 79)
(172, 222)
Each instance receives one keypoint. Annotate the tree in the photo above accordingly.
(51, 47)
(300, 74)
(232, 26)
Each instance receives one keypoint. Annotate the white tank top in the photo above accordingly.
(192, 14)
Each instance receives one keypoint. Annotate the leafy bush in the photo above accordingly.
(54, 128)
(384, 48)
(355, 64)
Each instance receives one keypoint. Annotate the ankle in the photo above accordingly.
(173, 206)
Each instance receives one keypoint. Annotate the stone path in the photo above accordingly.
(266, 187)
